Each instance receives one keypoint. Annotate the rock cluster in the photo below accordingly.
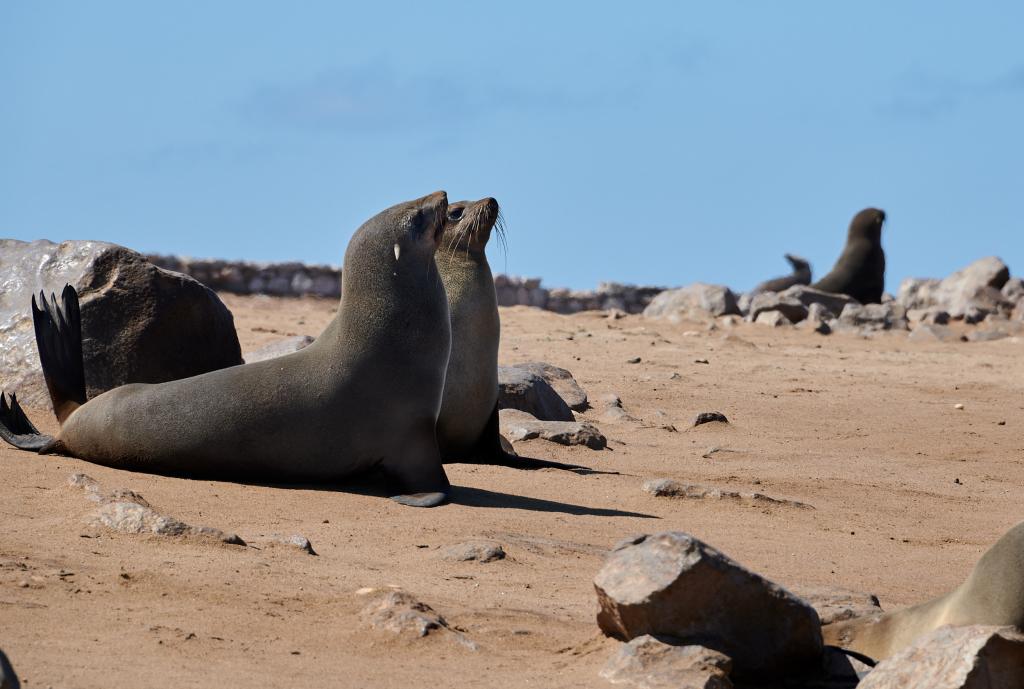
(291, 279)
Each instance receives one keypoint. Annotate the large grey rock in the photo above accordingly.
(929, 332)
(975, 657)
(140, 323)
(789, 306)
(648, 663)
(518, 425)
(970, 293)
(8, 680)
(693, 302)
(672, 584)
(888, 316)
(272, 350)
(833, 303)
(1013, 290)
(529, 392)
(561, 381)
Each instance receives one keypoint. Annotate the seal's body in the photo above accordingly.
(467, 427)
(801, 276)
(366, 394)
(860, 270)
(993, 594)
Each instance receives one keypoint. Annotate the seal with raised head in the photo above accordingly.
(467, 427)
(366, 394)
(801, 275)
(860, 270)
(993, 594)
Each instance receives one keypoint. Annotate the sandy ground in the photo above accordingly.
(865, 430)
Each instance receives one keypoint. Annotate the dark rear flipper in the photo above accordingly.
(16, 428)
(59, 341)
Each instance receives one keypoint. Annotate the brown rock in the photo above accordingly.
(480, 551)
(519, 425)
(648, 663)
(140, 323)
(975, 657)
(529, 392)
(672, 584)
(561, 381)
(835, 604)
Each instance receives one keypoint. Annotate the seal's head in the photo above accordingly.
(407, 232)
(468, 225)
(867, 224)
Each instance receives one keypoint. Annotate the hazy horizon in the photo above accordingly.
(657, 146)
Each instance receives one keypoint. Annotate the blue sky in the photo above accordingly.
(654, 143)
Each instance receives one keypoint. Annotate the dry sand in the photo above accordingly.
(865, 430)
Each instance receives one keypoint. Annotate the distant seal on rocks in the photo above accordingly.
(860, 270)
(993, 594)
(801, 276)
(366, 394)
(467, 427)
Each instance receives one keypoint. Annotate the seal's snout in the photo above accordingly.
(489, 209)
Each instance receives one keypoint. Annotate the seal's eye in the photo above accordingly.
(455, 214)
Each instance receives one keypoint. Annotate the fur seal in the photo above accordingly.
(801, 275)
(993, 594)
(860, 270)
(365, 394)
(467, 427)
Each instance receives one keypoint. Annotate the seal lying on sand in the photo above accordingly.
(801, 276)
(993, 594)
(365, 394)
(860, 270)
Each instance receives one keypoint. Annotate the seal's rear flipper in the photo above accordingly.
(59, 341)
(17, 429)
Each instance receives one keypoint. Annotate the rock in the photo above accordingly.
(991, 330)
(480, 551)
(975, 657)
(666, 487)
(933, 315)
(709, 417)
(925, 332)
(519, 425)
(648, 663)
(561, 381)
(888, 316)
(400, 613)
(128, 512)
(694, 302)
(8, 679)
(834, 303)
(792, 308)
(529, 392)
(133, 518)
(272, 350)
(835, 604)
(294, 541)
(140, 323)
(1013, 290)
(672, 584)
(774, 319)
(613, 410)
(969, 294)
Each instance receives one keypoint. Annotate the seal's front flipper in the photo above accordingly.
(420, 475)
(59, 341)
(17, 429)
(421, 499)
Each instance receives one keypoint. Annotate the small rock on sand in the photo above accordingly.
(648, 663)
(669, 488)
(400, 613)
(835, 604)
(519, 426)
(480, 551)
(709, 417)
(529, 392)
